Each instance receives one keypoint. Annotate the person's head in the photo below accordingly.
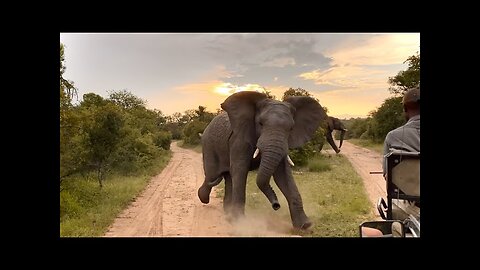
(411, 102)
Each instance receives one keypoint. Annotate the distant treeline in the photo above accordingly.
(379, 122)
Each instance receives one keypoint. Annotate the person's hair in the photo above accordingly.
(411, 100)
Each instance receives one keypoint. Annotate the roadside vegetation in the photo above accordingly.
(87, 210)
(109, 148)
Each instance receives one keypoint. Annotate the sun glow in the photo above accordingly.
(227, 89)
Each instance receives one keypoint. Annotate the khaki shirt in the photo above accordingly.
(406, 138)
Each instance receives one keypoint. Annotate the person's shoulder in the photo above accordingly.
(396, 131)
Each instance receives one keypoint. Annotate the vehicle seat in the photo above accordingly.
(403, 186)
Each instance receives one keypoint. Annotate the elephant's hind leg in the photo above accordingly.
(205, 189)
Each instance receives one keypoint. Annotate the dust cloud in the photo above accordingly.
(261, 225)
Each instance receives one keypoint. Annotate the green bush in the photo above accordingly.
(191, 131)
(136, 151)
(300, 156)
(162, 139)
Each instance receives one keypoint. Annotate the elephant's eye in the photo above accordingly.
(260, 123)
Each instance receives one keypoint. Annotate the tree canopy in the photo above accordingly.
(408, 78)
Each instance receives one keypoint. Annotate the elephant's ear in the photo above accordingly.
(240, 108)
(309, 115)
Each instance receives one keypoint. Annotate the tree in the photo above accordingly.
(203, 115)
(66, 86)
(126, 100)
(92, 100)
(188, 116)
(102, 136)
(388, 117)
(408, 78)
(297, 92)
(69, 125)
(268, 93)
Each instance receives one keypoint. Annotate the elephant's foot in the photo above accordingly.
(304, 229)
(306, 225)
(204, 194)
(275, 205)
(302, 224)
(229, 217)
(234, 212)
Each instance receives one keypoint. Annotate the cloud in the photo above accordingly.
(363, 62)
(260, 57)
(348, 77)
(279, 62)
(372, 49)
(204, 86)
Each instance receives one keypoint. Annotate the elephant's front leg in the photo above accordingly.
(284, 179)
(227, 199)
(239, 168)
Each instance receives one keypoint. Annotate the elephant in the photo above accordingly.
(256, 132)
(335, 124)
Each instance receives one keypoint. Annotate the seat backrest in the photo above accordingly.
(406, 176)
(403, 180)
(404, 171)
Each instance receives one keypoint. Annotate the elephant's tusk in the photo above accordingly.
(257, 151)
(290, 161)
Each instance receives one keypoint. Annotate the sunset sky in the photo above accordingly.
(174, 72)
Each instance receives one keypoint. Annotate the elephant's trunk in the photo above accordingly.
(268, 164)
(342, 135)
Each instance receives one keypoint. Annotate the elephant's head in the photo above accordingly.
(272, 127)
(337, 124)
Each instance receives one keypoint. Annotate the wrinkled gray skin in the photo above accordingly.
(335, 124)
(229, 142)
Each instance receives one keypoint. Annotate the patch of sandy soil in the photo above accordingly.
(169, 207)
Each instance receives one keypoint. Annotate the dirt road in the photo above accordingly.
(169, 205)
(364, 161)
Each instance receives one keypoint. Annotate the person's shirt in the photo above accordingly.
(405, 138)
